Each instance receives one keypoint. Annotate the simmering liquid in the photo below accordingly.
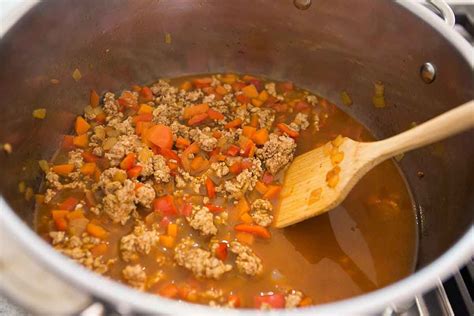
(367, 242)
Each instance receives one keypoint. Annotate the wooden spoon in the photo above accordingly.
(320, 179)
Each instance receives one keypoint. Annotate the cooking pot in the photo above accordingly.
(331, 46)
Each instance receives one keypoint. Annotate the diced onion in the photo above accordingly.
(109, 143)
(76, 74)
(277, 275)
(346, 99)
(39, 113)
(43, 165)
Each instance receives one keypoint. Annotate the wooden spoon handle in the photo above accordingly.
(448, 124)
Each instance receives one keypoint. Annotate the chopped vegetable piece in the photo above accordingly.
(143, 117)
(128, 162)
(99, 250)
(250, 91)
(199, 164)
(59, 217)
(286, 86)
(7, 147)
(214, 208)
(194, 110)
(198, 119)
(215, 115)
(233, 150)
(202, 82)
(234, 300)
(182, 143)
(243, 99)
(211, 188)
(39, 198)
(246, 218)
(167, 41)
(229, 78)
(90, 198)
(89, 157)
(169, 290)
(257, 102)
(221, 90)
(96, 231)
(165, 205)
(39, 113)
(75, 214)
(263, 96)
(245, 238)
(81, 141)
(172, 230)
(306, 302)
(233, 124)
(286, 129)
(63, 170)
(94, 99)
(261, 187)
(267, 178)
(248, 131)
(167, 241)
(186, 86)
(236, 167)
(88, 168)
(144, 109)
(254, 120)
(76, 75)
(146, 94)
(274, 300)
(169, 154)
(134, 172)
(272, 192)
(44, 165)
(346, 99)
(69, 203)
(21, 187)
(221, 251)
(160, 135)
(187, 208)
(242, 206)
(260, 137)
(256, 230)
(81, 125)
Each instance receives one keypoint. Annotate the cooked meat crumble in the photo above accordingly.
(199, 261)
(261, 212)
(247, 261)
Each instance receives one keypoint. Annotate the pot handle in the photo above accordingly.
(445, 11)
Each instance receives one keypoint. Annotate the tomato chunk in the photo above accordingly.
(165, 205)
(274, 300)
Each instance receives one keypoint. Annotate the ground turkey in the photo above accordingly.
(145, 195)
(119, 200)
(199, 261)
(293, 299)
(261, 212)
(135, 276)
(140, 241)
(277, 152)
(202, 220)
(247, 261)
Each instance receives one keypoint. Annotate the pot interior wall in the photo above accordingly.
(335, 45)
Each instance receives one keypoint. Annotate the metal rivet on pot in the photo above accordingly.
(302, 4)
(428, 72)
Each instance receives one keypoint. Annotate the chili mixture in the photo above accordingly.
(172, 189)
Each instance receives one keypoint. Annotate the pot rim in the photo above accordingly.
(127, 299)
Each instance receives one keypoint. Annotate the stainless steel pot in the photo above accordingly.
(334, 45)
